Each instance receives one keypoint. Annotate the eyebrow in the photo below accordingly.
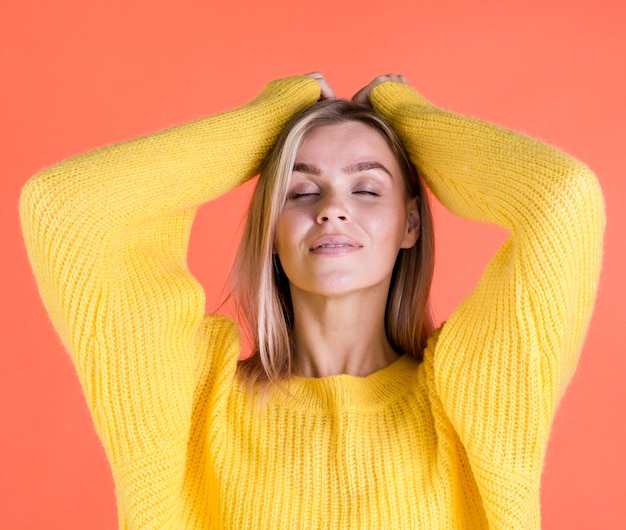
(312, 169)
(367, 166)
(307, 168)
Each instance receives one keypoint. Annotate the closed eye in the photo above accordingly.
(295, 196)
(367, 192)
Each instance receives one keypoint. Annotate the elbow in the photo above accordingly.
(38, 201)
(32, 203)
(587, 201)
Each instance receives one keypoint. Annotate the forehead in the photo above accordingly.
(347, 140)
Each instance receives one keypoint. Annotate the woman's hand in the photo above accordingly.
(362, 97)
(327, 91)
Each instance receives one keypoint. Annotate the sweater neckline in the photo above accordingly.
(344, 391)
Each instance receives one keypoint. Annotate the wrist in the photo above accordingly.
(298, 88)
(390, 99)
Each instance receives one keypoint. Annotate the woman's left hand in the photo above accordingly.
(362, 97)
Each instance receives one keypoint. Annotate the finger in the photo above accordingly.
(362, 97)
(326, 91)
(396, 78)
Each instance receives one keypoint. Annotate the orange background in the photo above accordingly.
(77, 75)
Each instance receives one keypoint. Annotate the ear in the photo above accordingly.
(412, 232)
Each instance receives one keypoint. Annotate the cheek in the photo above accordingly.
(388, 225)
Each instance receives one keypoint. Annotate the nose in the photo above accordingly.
(332, 208)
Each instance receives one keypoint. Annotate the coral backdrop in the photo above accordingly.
(77, 75)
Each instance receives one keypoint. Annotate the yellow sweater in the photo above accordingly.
(454, 442)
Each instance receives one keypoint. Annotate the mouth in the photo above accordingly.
(331, 246)
(334, 242)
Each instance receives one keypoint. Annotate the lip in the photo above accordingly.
(334, 244)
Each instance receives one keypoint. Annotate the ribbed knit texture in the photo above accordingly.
(454, 442)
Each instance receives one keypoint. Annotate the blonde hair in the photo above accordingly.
(260, 286)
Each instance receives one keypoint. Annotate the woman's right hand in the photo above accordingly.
(327, 91)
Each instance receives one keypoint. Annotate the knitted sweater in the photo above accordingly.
(456, 441)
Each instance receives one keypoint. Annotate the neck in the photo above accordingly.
(341, 335)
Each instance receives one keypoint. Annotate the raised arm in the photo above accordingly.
(504, 357)
(107, 236)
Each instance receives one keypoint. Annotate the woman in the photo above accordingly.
(335, 421)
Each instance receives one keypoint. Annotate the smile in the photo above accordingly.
(334, 243)
(332, 246)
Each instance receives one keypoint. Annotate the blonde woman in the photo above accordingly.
(351, 412)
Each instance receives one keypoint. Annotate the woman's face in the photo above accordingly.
(346, 215)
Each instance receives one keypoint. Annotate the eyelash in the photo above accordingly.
(296, 196)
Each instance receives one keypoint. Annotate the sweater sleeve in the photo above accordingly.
(107, 235)
(505, 356)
